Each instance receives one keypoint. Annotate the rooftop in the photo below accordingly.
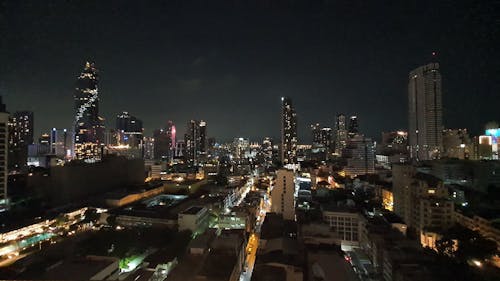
(264, 272)
(192, 210)
(431, 180)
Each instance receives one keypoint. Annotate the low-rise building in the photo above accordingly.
(194, 218)
(226, 257)
(345, 223)
(487, 225)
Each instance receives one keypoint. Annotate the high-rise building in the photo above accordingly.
(456, 143)
(402, 177)
(21, 127)
(425, 112)
(88, 125)
(190, 138)
(162, 144)
(195, 142)
(241, 148)
(326, 138)
(321, 136)
(394, 142)
(288, 132)
(353, 126)
(179, 149)
(340, 134)
(316, 134)
(267, 150)
(202, 140)
(283, 194)
(4, 144)
(360, 156)
(430, 208)
(149, 148)
(130, 129)
(60, 143)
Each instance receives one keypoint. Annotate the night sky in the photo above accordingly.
(229, 62)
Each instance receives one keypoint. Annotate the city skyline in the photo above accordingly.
(200, 75)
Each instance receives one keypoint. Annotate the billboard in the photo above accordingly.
(494, 133)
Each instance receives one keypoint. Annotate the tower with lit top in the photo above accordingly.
(88, 126)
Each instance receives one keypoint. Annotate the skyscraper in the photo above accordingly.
(20, 137)
(241, 148)
(316, 134)
(59, 142)
(88, 126)
(164, 142)
(340, 134)
(128, 123)
(190, 138)
(195, 141)
(425, 112)
(288, 132)
(326, 138)
(267, 150)
(4, 121)
(161, 144)
(322, 137)
(360, 154)
(202, 140)
(130, 129)
(353, 126)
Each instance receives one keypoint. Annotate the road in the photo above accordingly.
(253, 242)
(21, 240)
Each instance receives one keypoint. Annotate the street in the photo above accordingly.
(20, 240)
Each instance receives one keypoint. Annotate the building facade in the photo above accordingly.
(340, 134)
(130, 130)
(4, 155)
(457, 144)
(360, 156)
(21, 127)
(288, 132)
(425, 112)
(60, 143)
(195, 142)
(283, 194)
(353, 126)
(88, 125)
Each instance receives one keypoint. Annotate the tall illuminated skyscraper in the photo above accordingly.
(316, 134)
(288, 132)
(195, 141)
(4, 121)
(130, 129)
(425, 112)
(202, 140)
(353, 126)
(321, 136)
(88, 126)
(21, 126)
(340, 134)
